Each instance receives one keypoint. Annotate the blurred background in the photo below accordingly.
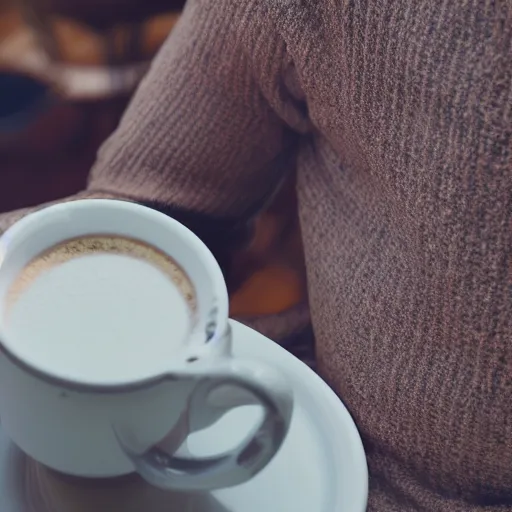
(67, 71)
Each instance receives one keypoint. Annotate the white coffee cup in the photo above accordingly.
(105, 429)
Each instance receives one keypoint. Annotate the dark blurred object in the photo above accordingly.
(44, 174)
(22, 98)
(48, 151)
(33, 118)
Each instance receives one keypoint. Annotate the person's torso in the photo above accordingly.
(405, 197)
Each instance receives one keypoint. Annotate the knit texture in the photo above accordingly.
(399, 117)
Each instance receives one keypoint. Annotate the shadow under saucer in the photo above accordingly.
(35, 488)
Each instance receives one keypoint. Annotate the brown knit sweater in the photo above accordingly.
(399, 114)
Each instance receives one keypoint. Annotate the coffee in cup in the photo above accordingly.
(90, 298)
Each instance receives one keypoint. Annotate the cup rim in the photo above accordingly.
(33, 218)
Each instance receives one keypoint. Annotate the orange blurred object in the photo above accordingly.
(271, 268)
(268, 291)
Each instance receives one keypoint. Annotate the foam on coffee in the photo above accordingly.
(102, 307)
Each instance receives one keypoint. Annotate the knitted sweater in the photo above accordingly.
(397, 118)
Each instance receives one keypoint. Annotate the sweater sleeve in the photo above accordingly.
(210, 132)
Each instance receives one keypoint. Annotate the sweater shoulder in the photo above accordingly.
(256, 31)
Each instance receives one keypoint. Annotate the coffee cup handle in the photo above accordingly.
(259, 385)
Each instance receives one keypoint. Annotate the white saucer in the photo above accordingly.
(320, 468)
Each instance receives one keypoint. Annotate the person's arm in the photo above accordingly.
(208, 134)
